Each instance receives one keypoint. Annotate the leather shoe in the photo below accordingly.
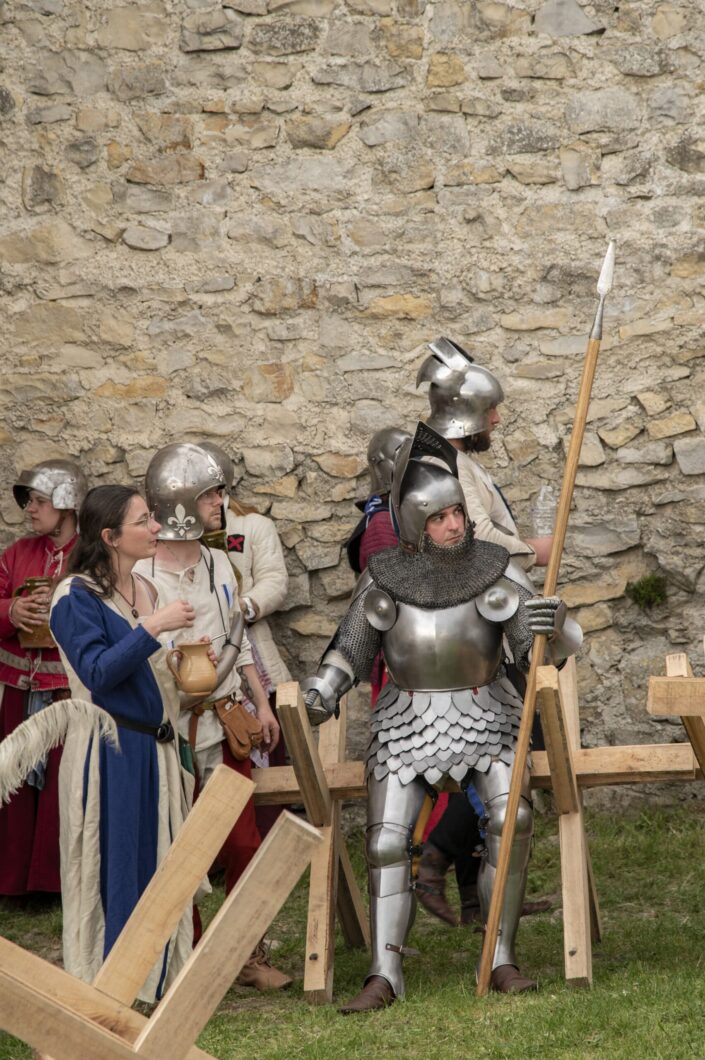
(259, 973)
(506, 979)
(376, 993)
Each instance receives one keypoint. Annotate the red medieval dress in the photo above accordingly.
(29, 823)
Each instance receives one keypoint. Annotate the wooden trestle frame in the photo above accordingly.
(58, 1014)
(321, 778)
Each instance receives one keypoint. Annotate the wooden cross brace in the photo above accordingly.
(333, 885)
(682, 695)
(58, 1014)
(321, 778)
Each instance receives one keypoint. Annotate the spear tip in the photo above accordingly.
(604, 284)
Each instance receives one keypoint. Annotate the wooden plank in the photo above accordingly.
(312, 783)
(62, 992)
(679, 675)
(678, 665)
(320, 925)
(629, 764)
(577, 948)
(278, 784)
(352, 913)
(568, 694)
(555, 732)
(594, 767)
(695, 727)
(669, 696)
(157, 914)
(232, 935)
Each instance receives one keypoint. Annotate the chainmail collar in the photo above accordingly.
(439, 576)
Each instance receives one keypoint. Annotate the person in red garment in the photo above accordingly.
(31, 675)
(375, 531)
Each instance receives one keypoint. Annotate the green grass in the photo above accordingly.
(648, 998)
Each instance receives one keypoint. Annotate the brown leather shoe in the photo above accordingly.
(431, 884)
(259, 973)
(506, 979)
(541, 905)
(469, 905)
(376, 993)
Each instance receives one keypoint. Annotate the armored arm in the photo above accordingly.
(348, 659)
(549, 615)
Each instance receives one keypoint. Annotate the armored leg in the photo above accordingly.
(392, 810)
(493, 789)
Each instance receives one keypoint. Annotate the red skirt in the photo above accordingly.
(29, 823)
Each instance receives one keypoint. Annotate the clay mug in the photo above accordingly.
(40, 637)
(192, 669)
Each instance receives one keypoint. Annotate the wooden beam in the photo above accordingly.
(159, 910)
(278, 784)
(679, 674)
(323, 884)
(575, 885)
(54, 1012)
(677, 696)
(352, 913)
(312, 783)
(232, 935)
(558, 742)
(628, 764)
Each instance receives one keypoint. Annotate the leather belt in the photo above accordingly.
(197, 711)
(163, 733)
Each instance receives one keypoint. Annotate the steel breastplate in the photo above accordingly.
(442, 650)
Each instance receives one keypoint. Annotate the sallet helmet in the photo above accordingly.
(62, 481)
(225, 463)
(176, 477)
(461, 392)
(380, 457)
(424, 481)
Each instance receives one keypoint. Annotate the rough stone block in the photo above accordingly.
(526, 137)
(690, 455)
(445, 70)
(606, 108)
(547, 65)
(81, 73)
(284, 36)
(564, 18)
(402, 41)
(268, 382)
(83, 152)
(319, 131)
(46, 243)
(217, 30)
(40, 186)
(389, 126)
(48, 323)
(604, 538)
(175, 169)
(380, 76)
(316, 556)
(133, 28)
(167, 131)
(134, 82)
(679, 422)
(140, 238)
(49, 115)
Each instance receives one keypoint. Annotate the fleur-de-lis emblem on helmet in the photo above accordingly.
(180, 521)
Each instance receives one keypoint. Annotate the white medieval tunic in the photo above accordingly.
(120, 809)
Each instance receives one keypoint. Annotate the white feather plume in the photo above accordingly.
(34, 738)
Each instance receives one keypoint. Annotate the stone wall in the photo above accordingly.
(242, 220)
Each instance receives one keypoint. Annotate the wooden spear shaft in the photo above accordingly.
(539, 646)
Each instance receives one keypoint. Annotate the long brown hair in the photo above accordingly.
(104, 508)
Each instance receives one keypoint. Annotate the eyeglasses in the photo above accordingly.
(146, 519)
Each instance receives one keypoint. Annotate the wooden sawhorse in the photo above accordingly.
(62, 1016)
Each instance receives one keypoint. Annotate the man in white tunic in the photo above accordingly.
(184, 487)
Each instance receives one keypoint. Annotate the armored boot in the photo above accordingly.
(493, 788)
(431, 884)
(391, 813)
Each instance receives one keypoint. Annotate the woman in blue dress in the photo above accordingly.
(119, 808)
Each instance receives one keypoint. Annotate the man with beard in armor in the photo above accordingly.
(438, 606)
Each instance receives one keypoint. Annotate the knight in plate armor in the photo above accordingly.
(438, 605)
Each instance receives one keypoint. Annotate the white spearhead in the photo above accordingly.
(604, 284)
